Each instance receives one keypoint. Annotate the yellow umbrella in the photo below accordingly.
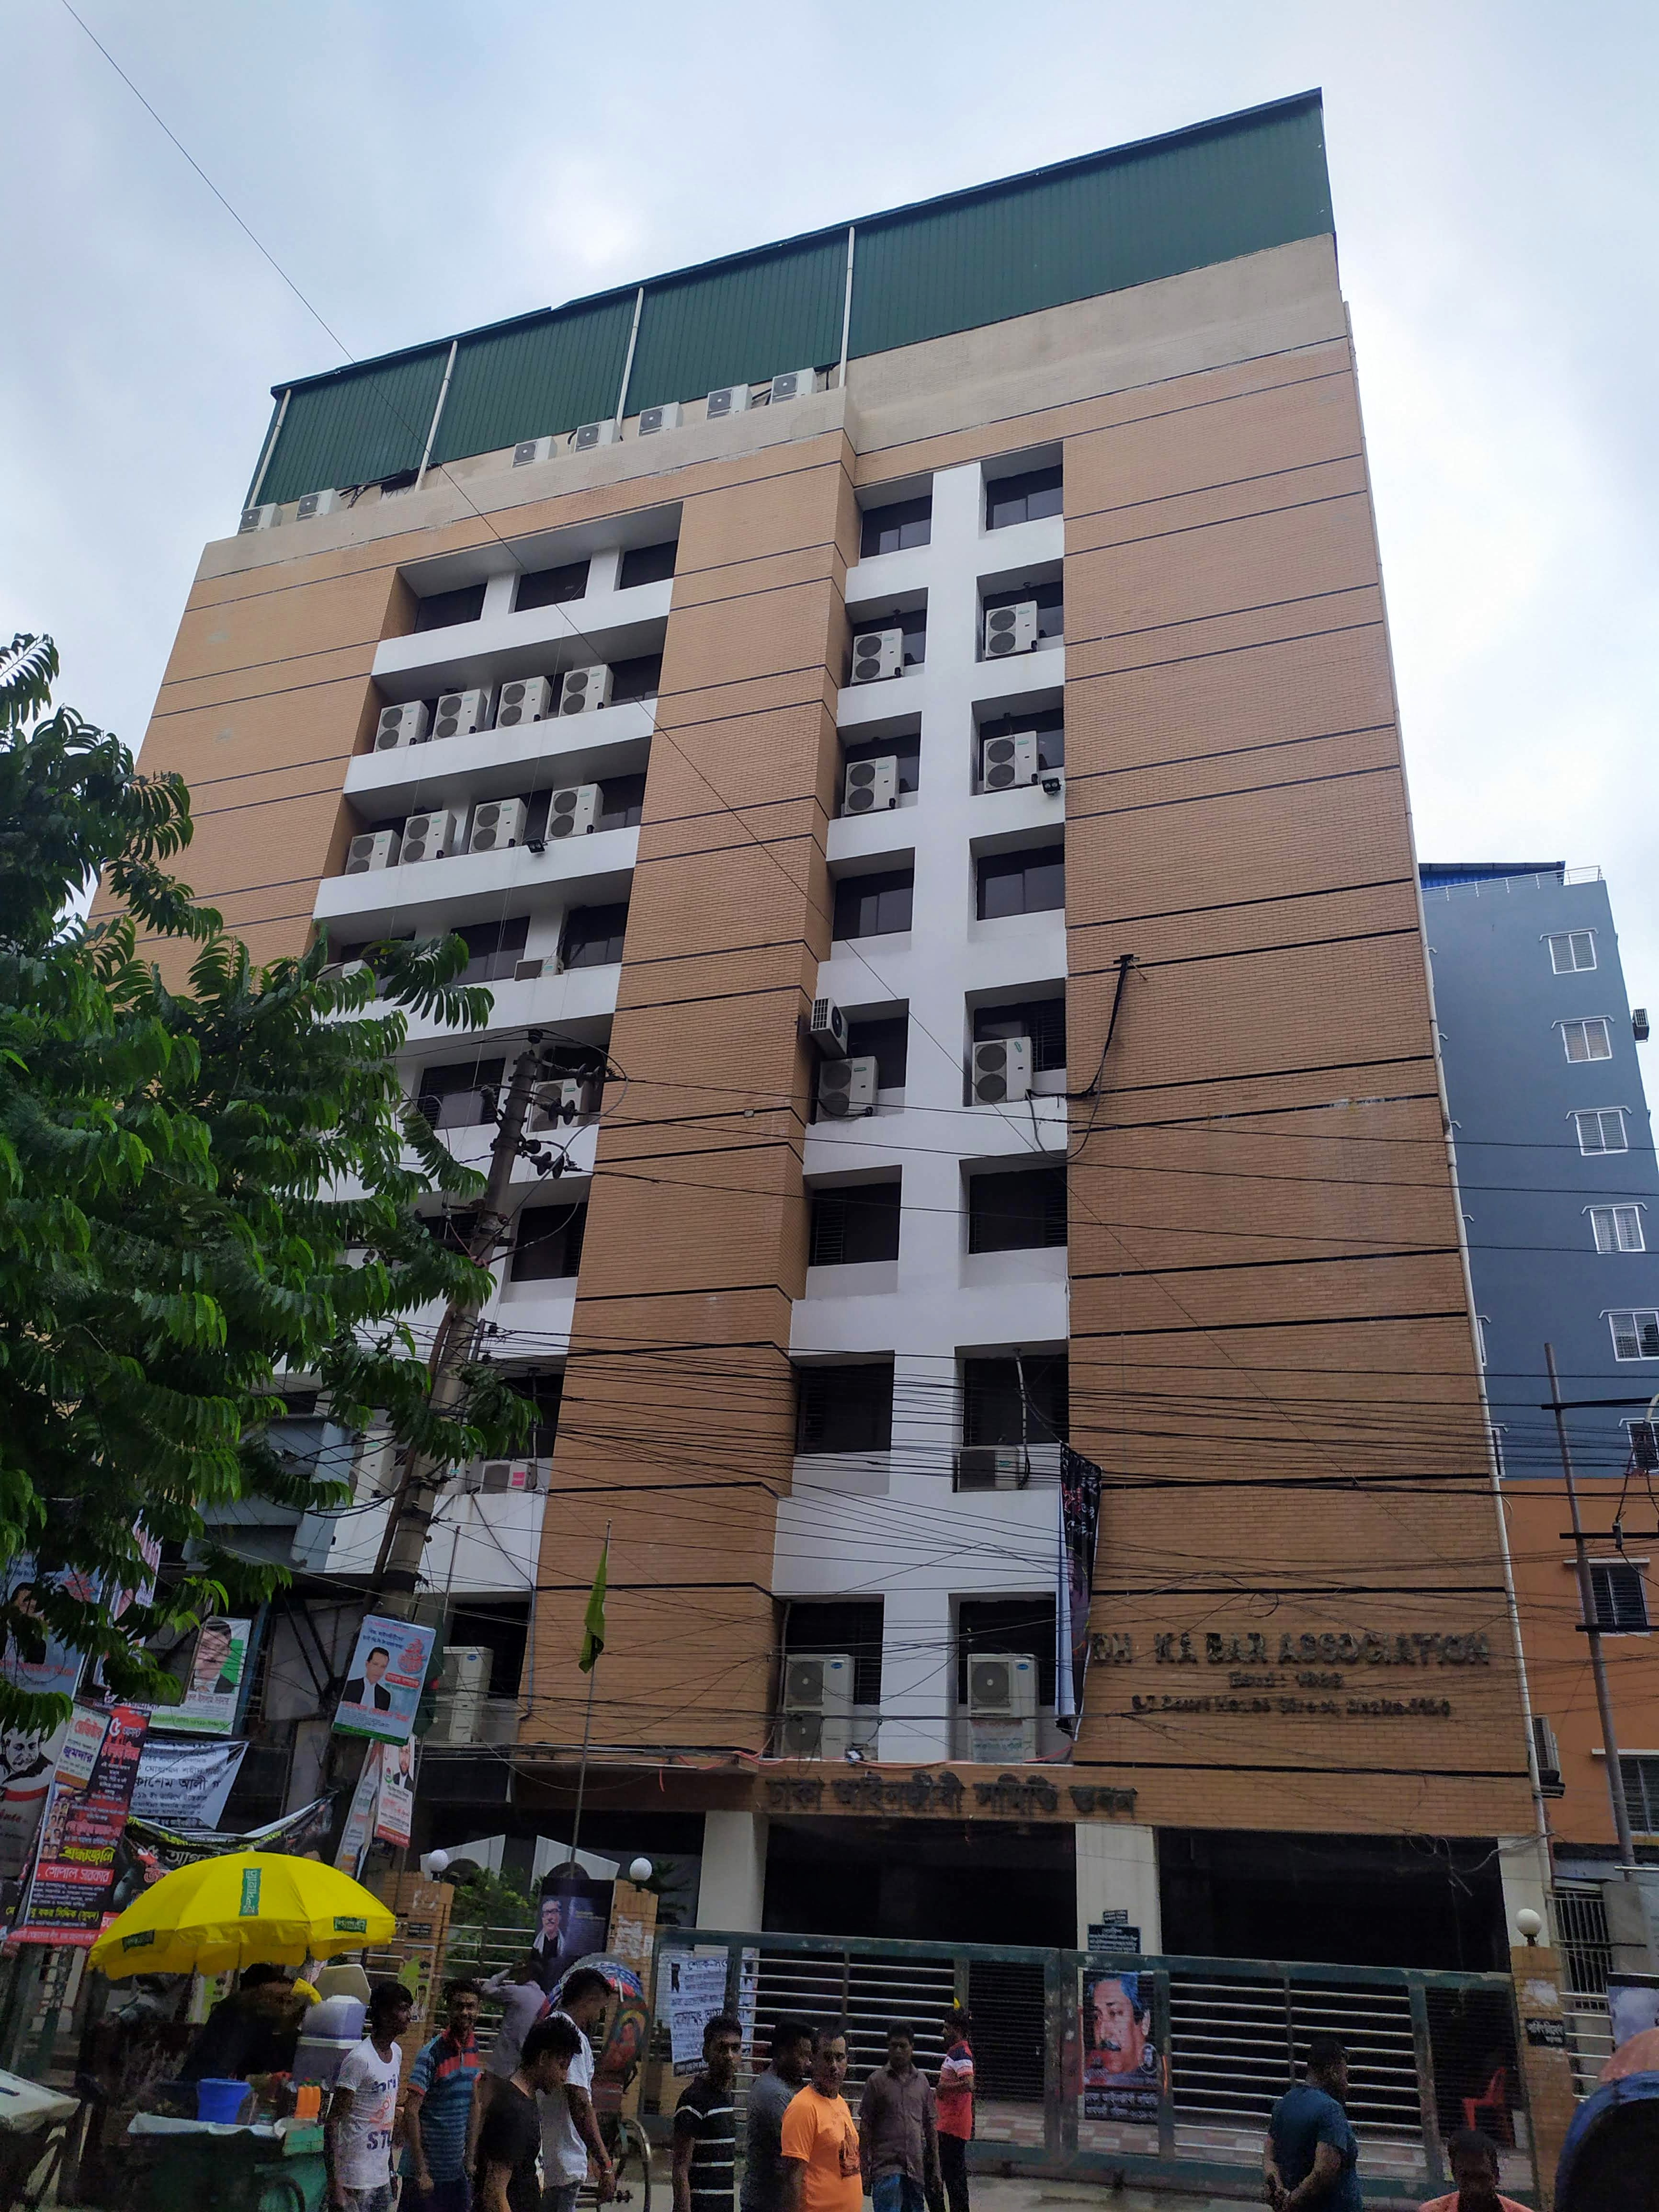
(232, 1911)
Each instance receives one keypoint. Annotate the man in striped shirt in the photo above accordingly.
(705, 2124)
(442, 2109)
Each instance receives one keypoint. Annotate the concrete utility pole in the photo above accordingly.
(1592, 1630)
(397, 1569)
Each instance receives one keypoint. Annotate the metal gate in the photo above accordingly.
(1226, 2037)
(1586, 1951)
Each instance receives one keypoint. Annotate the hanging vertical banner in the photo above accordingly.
(1079, 1527)
(68, 1900)
(383, 1685)
(208, 1705)
(57, 1669)
(394, 1817)
(360, 1820)
(185, 1785)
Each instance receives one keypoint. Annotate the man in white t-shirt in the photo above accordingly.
(363, 2111)
(570, 2132)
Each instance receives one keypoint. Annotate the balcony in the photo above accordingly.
(496, 764)
(604, 626)
(463, 887)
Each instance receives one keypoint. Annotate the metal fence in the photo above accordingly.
(1586, 1950)
(1227, 2036)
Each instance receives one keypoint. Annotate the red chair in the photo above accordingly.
(1494, 2102)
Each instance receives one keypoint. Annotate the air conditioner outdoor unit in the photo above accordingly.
(730, 400)
(817, 1720)
(828, 1029)
(1011, 629)
(531, 449)
(1550, 1782)
(792, 384)
(460, 712)
(992, 1466)
(526, 699)
(572, 813)
(1006, 762)
(666, 417)
(591, 435)
(473, 1476)
(401, 725)
(878, 654)
(847, 1087)
(429, 836)
(316, 504)
(350, 970)
(462, 1686)
(568, 1098)
(1002, 1071)
(871, 785)
(584, 691)
(1002, 1703)
(527, 971)
(375, 848)
(256, 517)
(496, 824)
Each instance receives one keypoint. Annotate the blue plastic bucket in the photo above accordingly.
(220, 2103)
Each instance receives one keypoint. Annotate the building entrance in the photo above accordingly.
(942, 1882)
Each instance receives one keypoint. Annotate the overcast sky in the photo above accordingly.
(417, 168)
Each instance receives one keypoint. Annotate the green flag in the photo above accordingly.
(593, 1619)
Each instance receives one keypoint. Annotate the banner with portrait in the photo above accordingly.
(1123, 2071)
(54, 1670)
(394, 1814)
(384, 1680)
(1079, 1530)
(69, 1891)
(213, 1683)
(573, 1918)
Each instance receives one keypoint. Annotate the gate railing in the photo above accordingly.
(1186, 2097)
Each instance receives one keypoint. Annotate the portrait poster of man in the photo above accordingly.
(394, 1813)
(573, 1919)
(384, 1680)
(1122, 2073)
(214, 1682)
(46, 1664)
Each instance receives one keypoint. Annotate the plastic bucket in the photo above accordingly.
(220, 2103)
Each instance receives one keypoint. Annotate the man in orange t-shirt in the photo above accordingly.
(1473, 2160)
(820, 2140)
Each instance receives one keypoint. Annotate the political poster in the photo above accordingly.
(696, 1992)
(57, 1670)
(394, 1819)
(1123, 2073)
(1080, 1526)
(69, 1891)
(121, 1597)
(384, 1680)
(213, 1683)
(151, 1849)
(185, 1785)
(359, 1831)
(573, 1919)
(28, 1760)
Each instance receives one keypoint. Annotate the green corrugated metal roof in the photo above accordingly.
(545, 375)
(740, 321)
(368, 424)
(1211, 193)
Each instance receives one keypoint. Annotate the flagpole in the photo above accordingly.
(587, 1724)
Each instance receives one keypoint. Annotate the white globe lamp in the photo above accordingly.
(639, 1870)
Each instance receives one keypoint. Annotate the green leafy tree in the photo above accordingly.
(200, 1189)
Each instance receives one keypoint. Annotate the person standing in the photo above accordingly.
(363, 2112)
(705, 2124)
(1311, 2154)
(956, 2105)
(821, 2172)
(898, 2130)
(524, 2001)
(770, 2098)
(510, 2133)
(442, 2109)
(1473, 2160)
(570, 2127)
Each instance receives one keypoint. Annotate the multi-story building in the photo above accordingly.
(1561, 1196)
(963, 625)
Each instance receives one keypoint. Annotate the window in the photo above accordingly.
(1006, 1624)
(845, 1624)
(636, 679)
(844, 1409)
(1043, 1020)
(443, 610)
(1602, 1130)
(1587, 1040)
(546, 1395)
(1022, 498)
(991, 1399)
(888, 1043)
(1571, 952)
(1617, 1228)
(1640, 1776)
(849, 1226)
(1049, 725)
(453, 1098)
(1050, 605)
(892, 529)
(1017, 1212)
(1620, 1596)
(594, 935)
(906, 750)
(548, 1247)
(493, 949)
(874, 906)
(1031, 882)
(622, 802)
(647, 564)
(551, 588)
(1635, 1335)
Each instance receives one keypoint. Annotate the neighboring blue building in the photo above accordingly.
(1555, 1152)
